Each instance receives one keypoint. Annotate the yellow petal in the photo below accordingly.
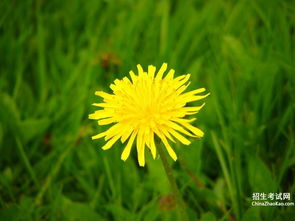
(100, 135)
(113, 131)
(126, 80)
(103, 94)
(179, 78)
(126, 134)
(100, 114)
(168, 147)
(179, 128)
(179, 120)
(106, 121)
(126, 152)
(183, 81)
(111, 142)
(152, 145)
(161, 71)
(114, 87)
(194, 98)
(151, 71)
(193, 109)
(178, 136)
(182, 88)
(133, 76)
(170, 74)
(140, 70)
(166, 133)
(149, 140)
(109, 105)
(140, 148)
(197, 91)
(193, 129)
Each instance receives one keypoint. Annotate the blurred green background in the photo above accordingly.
(55, 54)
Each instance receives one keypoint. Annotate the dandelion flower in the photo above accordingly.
(147, 106)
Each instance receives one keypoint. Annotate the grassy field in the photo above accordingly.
(55, 54)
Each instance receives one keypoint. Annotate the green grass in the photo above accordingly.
(55, 54)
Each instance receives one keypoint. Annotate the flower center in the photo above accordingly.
(149, 116)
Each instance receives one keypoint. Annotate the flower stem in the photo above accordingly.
(175, 190)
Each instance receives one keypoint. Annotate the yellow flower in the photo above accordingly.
(146, 106)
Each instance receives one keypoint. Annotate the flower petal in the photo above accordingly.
(126, 133)
(152, 145)
(179, 128)
(140, 70)
(151, 71)
(111, 142)
(100, 135)
(103, 94)
(126, 152)
(169, 148)
(170, 74)
(167, 145)
(161, 71)
(140, 148)
(106, 121)
(100, 114)
(193, 129)
(133, 76)
(177, 84)
(179, 137)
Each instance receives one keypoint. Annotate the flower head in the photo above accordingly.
(146, 106)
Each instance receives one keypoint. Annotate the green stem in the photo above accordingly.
(175, 190)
